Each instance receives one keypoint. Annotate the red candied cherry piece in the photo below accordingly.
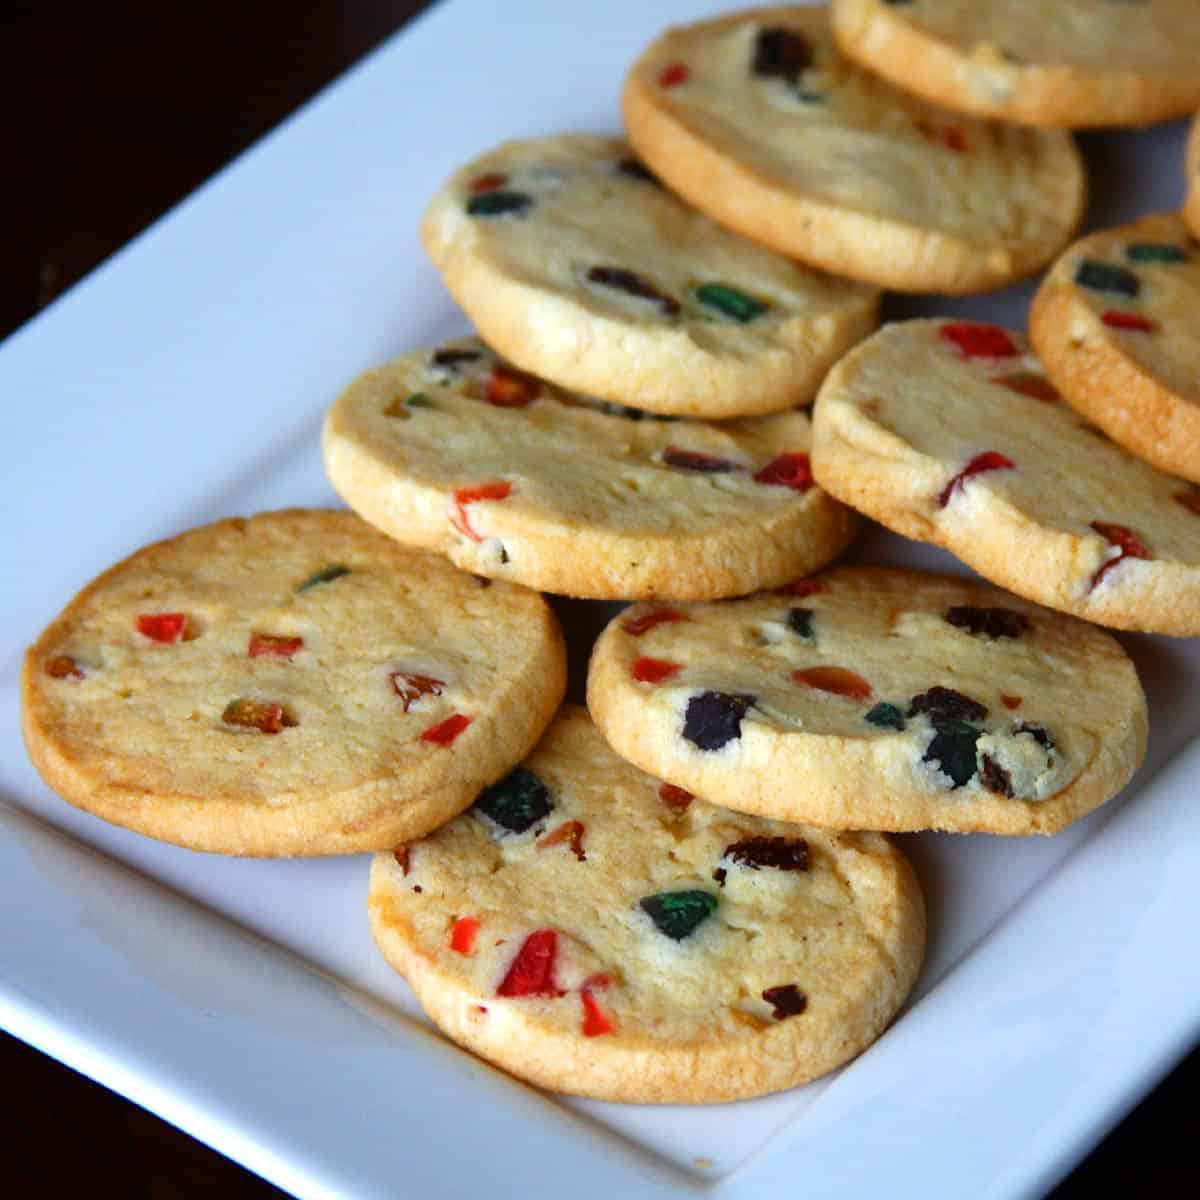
(803, 587)
(675, 798)
(444, 733)
(787, 470)
(532, 971)
(63, 666)
(499, 489)
(1126, 541)
(1029, 383)
(647, 621)
(410, 688)
(1010, 702)
(403, 857)
(989, 460)
(836, 680)
(488, 183)
(167, 628)
(1134, 322)
(509, 388)
(654, 670)
(570, 832)
(267, 645)
(976, 340)
(596, 1021)
(698, 461)
(673, 75)
(955, 139)
(462, 934)
(1190, 499)
(267, 717)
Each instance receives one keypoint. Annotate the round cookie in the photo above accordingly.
(1191, 207)
(868, 698)
(573, 261)
(294, 683)
(949, 432)
(760, 122)
(1115, 324)
(456, 450)
(596, 932)
(1072, 63)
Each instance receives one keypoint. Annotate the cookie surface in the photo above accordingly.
(592, 931)
(1114, 322)
(1191, 207)
(512, 478)
(1070, 63)
(949, 432)
(573, 261)
(868, 698)
(758, 120)
(289, 684)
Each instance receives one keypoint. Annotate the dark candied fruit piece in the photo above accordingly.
(994, 777)
(410, 688)
(403, 857)
(799, 621)
(989, 460)
(167, 628)
(654, 670)
(1190, 499)
(452, 358)
(63, 666)
(1031, 384)
(779, 853)
(268, 645)
(635, 170)
(713, 719)
(803, 587)
(677, 799)
(497, 489)
(324, 575)
(696, 460)
(1037, 732)
(836, 680)
(499, 204)
(419, 400)
(488, 183)
(781, 54)
(730, 302)
(975, 340)
(444, 733)
(532, 971)
(1107, 277)
(677, 914)
(509, 388)
(673, 75)
(792, 470)
(1127, 542)
(1010, 702)
(1133, 322)
(1155, 252)
(787, 1000)
(462, 934)
(636, 626)
(952, 750)
(886, 716)
(266, 717)
(621, 279)
(518, 802)
(570, 833)
(988, 622)
(945, 704)
(596, 1021)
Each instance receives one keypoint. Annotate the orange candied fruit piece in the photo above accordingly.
(836, 680)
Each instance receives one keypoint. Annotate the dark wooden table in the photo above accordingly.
(113, 113)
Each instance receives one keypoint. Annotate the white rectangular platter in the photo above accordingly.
(185, 381)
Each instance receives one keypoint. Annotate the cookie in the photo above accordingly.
(1191, 207)
(1072, 63)
(294, 683)
(950, 432)
(1115, 324)
(593, 931)
(869, 698)
(512, 478)
(575, 263)
(757, 120)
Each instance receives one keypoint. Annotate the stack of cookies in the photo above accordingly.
(685, 893)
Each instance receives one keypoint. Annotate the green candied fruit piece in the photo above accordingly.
(419, 400)
(1155, 252)
(886, 716)
(729, 302)
(518, 802)
(676, 914)
(952, 750)
(1105, 277)
(499, 204)
(324, 575)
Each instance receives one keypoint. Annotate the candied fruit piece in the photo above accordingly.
(569, 832)
(532, 971)
(945, 704)
(634, 169)
(268, 717)
(410, 688)
(654, 670)
(445, 732)
(1037, 732)
(324, 575)
(268, 645)
(596, 1021)
(403, 857)
(803, 587)
(886, 716)
(167, 628)
(787, 1000)
(673, 75)
(621, 279)
(517, 802)
(714, 719)
(792, 470)
(677, 914)
(836, 680)
(1031, 384)
(675, 798)
(63, 666)
(696, 460)
(975, 340)
(994, 777)
(1107, 277)
(488, 183)
(636, 626)
(451, 357)
(952, 750)
(1190, 499)
(730, 302)
(780, 853)
(988, 622)
(781, 53)
(989, 460)
(462, 935)
(1010, 702)
(1128, 544)
(509, 388)
(499, 204)
(1155, 252)
(1133, 322)
(498, 489)
(799, 621)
